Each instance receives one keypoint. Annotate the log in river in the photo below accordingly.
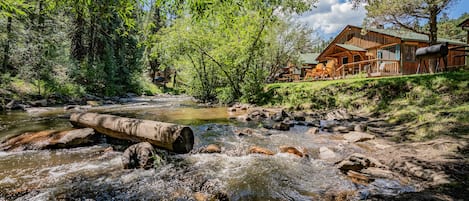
(173, 137)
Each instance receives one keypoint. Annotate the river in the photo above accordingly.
(96, 173)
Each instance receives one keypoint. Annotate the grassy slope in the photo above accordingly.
(426, 105)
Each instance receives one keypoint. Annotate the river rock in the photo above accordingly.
(139, 155)
(299, 116)
(326, 153)
(338, 115)
(244, 132)
(357, 162)
(313, 131)
(280, 116)
(260, 150)
(94, 103)
(50, 139)
(359, 128)
(211, 148)
(341, 129)
(328, 124)
(257, 115)
(37, 110)
(16, 105)
(359, 178)
(379, 172)
(281, 126)
(39, 103)
(291, 150)
(358, 136)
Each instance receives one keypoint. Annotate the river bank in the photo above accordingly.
(275, 152)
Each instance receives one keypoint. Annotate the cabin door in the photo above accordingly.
(356, 58)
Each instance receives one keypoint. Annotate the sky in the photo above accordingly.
(331, 16)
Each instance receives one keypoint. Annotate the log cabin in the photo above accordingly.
(380, 52)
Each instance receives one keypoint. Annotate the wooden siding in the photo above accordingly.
(410, 67)
(374, 42)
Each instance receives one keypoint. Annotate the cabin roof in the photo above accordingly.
(404, 35)
(309, 58)
(350, 47)
(411, 36)
(464, 23)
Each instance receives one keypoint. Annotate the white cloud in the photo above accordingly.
(331, 16)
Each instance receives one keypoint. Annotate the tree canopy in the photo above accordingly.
(408, 15)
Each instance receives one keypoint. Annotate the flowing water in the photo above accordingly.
(96, 173)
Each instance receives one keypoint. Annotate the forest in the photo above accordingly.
(215, 50)
(221, 51)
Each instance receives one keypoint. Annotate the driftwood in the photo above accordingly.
(176, 138)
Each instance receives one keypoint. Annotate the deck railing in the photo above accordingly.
(373, 68)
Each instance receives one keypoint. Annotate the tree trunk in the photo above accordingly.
(78, 48)
(177, 138)
(433, 35)
(6, 50)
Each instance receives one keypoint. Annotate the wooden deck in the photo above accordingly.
(372, 68)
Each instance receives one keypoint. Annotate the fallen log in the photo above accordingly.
(176, 138)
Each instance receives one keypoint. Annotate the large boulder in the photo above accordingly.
(139, 155)
(50, 139)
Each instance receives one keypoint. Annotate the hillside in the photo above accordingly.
(424, 106)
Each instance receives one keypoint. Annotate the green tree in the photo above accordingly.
(407, 15)
(223, 45)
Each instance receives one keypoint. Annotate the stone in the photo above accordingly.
(50, 139)
(291, 150)
(39, 103)
(379, 172)
(280, 116)
(15, 105)
(91, 97)
(37, 110)
(198, 196)
(94, 103)
(313, 131)
(338, 115)
(359, 128)
(244, 132)
(358, 136)
(244, 118)
(326, 124)
(326, 153)
(260, 150)
(281, 126)
(357, 162)
(139, 155)
(341, 129)
(212, 148)
(299, 116)
(359, 178)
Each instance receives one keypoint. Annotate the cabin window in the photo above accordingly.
(389, 53)
(344, 60)
(409, 53)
